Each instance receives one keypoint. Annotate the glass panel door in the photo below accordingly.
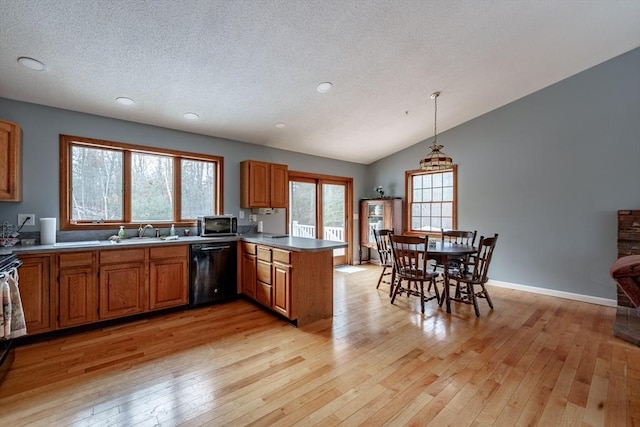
(302, 209)
(318, 208)
(334, 208)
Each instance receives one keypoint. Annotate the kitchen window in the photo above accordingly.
(104, 183)
(431, 200)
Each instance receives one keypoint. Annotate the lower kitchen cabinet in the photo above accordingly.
(168, 276)
(281, 274)
(36, 283)
(248, 268)
(123, 284)
(84, 287)
(295, 284)
(77, 291)
(269, 274)
(263, 277)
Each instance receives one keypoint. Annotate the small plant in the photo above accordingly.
(378, 189)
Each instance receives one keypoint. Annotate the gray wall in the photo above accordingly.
(547, 172)
(41, 127)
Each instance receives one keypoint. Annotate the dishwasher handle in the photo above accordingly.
(214, 248)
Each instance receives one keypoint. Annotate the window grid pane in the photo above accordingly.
(432, 204)
(96, 183)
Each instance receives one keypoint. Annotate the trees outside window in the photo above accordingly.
(104, 182)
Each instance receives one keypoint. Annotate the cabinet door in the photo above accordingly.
(282, 288)
(254, 184)
(122, 290)
(263, 282)
(249, 275)
(77, 296)
(35, 287)
(168, 283)
(10, 176)
(279, 186)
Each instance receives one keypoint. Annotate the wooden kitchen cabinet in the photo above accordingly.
(263, 276)
(77, 291)
(263, 185)
(168, 276)
(36, 284)
(10, 163)
(123, 283)
(378, 214)
(248, 270)
(270, 273)
(281, 279)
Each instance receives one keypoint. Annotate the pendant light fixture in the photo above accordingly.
(436, 159)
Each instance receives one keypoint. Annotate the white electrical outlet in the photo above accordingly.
(23, 217)
(241, 215)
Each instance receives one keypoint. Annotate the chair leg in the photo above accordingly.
(472, 295)
(393, 282)
(422, 296)
(381, 276)
(486, 295)
(395, 290)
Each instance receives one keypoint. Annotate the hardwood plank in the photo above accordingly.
(533, 360)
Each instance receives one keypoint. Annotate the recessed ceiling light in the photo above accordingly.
(324, 87)
(125, 101)
(191, 116)
(32, 64)
(281, 125)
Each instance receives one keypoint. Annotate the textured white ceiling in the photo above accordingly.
(245, 65)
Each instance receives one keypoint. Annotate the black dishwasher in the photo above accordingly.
(212, 273)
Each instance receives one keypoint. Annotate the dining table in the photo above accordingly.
(444, 250)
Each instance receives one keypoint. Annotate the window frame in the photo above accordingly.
(68, 141)
(408, 185)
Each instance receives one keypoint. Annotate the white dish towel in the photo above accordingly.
(12, 322)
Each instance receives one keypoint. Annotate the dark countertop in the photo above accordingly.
(300, 244)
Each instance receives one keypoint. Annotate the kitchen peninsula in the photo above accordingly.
(68, 284)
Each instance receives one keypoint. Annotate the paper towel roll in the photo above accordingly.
(47, 231)
(260, 227)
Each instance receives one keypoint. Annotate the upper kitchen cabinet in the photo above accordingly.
(263, 185)
(10, 176)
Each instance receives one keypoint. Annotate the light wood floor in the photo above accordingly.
(534, 360)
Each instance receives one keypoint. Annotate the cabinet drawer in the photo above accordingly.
(122, 256)
(264, 253)
(263, 273)
(159, 252)
(263, 293)
(282, 256)
(249, 248)
(75, 259)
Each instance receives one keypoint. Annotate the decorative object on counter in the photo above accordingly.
(378, 189)
(9, 235)
(436, 159)
(47, 231)
(186, 232)
(121, 233)
(172, 231)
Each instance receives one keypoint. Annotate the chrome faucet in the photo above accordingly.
(142, 229)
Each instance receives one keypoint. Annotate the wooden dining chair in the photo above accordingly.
(466, 282)
(383, 244)
(457, 237)
(410, 263)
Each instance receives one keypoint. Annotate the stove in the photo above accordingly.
(7, 261)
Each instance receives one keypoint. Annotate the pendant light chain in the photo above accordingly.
(436, 159)
(435, 116)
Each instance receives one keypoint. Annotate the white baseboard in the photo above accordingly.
(554, 293)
